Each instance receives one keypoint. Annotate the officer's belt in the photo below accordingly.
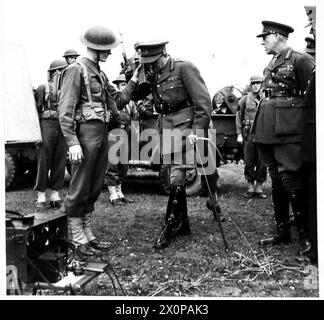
(274, 93)
(49, 114)
(169, 108)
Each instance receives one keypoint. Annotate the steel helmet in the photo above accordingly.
(71, 53)
(100, 38)
(57, 64)
(120, 78)
(256, 78)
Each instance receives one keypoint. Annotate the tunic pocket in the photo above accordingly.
(289, 116)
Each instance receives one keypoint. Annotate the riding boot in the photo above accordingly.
(163, 239)
(182, 226)
(281, 210)
(296, 202)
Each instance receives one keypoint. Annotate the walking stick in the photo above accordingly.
(215, 206)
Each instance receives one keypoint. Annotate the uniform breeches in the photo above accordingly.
(88, 177)
(51, 157)
(284, 166)
(254, 169)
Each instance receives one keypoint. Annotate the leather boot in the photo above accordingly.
(79, 238)
(163, 239)
(297, 206)
(280, 201)
(93, 242)
(182, 226)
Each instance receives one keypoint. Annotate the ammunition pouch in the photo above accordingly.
(49, 114)
(87, 112)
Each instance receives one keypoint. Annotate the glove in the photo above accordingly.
(239, 138)
(75, 154)
(192, 138)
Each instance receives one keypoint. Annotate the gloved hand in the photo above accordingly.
(75, 154)
(192, 138)
(239, 138)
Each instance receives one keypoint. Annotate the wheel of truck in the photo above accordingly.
(192, 183)
(10, 167)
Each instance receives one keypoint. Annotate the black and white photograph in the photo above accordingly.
(161, 150)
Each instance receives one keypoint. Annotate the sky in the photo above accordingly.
(219, 37)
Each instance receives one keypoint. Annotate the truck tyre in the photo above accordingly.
(192, 184)
(10, 167)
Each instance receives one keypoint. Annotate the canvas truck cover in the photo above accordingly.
(21, 124)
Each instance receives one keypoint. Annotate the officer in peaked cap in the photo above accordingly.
(87, 99)
(181, 97)
(278, 126)
(152, 50)
(272, 27)
(70, 56)
(310, 46)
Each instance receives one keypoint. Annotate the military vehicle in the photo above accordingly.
(21, 124)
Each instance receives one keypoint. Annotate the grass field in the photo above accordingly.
(195, 265)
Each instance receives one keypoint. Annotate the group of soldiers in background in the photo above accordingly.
(79, 108)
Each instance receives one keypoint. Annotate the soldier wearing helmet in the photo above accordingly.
(87, 100)
(117, 171)
(51, 154)
(70, 56)
(181, 97)
(254, 171)
(278, 129)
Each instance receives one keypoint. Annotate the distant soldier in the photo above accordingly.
(182, 98)
(117, 172)
(87, 99)
(51, 154)
(255, 172)
(278, 128)
(70, 56)
(310, 46)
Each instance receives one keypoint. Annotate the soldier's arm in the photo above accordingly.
(121, 97)
(238, 118)
(69, 98)
(304, 67)
(40, 97)
(199, 95)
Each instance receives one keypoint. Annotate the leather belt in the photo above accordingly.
(168, 108)
(274, 93)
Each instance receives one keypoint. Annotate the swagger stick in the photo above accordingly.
(215, 206)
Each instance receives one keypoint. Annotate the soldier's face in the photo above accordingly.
(70, 60)
(270, 43)
(256, 86)
(103, 55)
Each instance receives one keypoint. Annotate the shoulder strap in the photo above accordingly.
(84, 73)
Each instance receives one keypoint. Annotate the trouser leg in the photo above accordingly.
(58, 161)
(87, 179)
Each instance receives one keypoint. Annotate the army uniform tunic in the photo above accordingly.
(89, 129)
(182, 98)
(254, 169)
(51, 154)
(279, 120)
